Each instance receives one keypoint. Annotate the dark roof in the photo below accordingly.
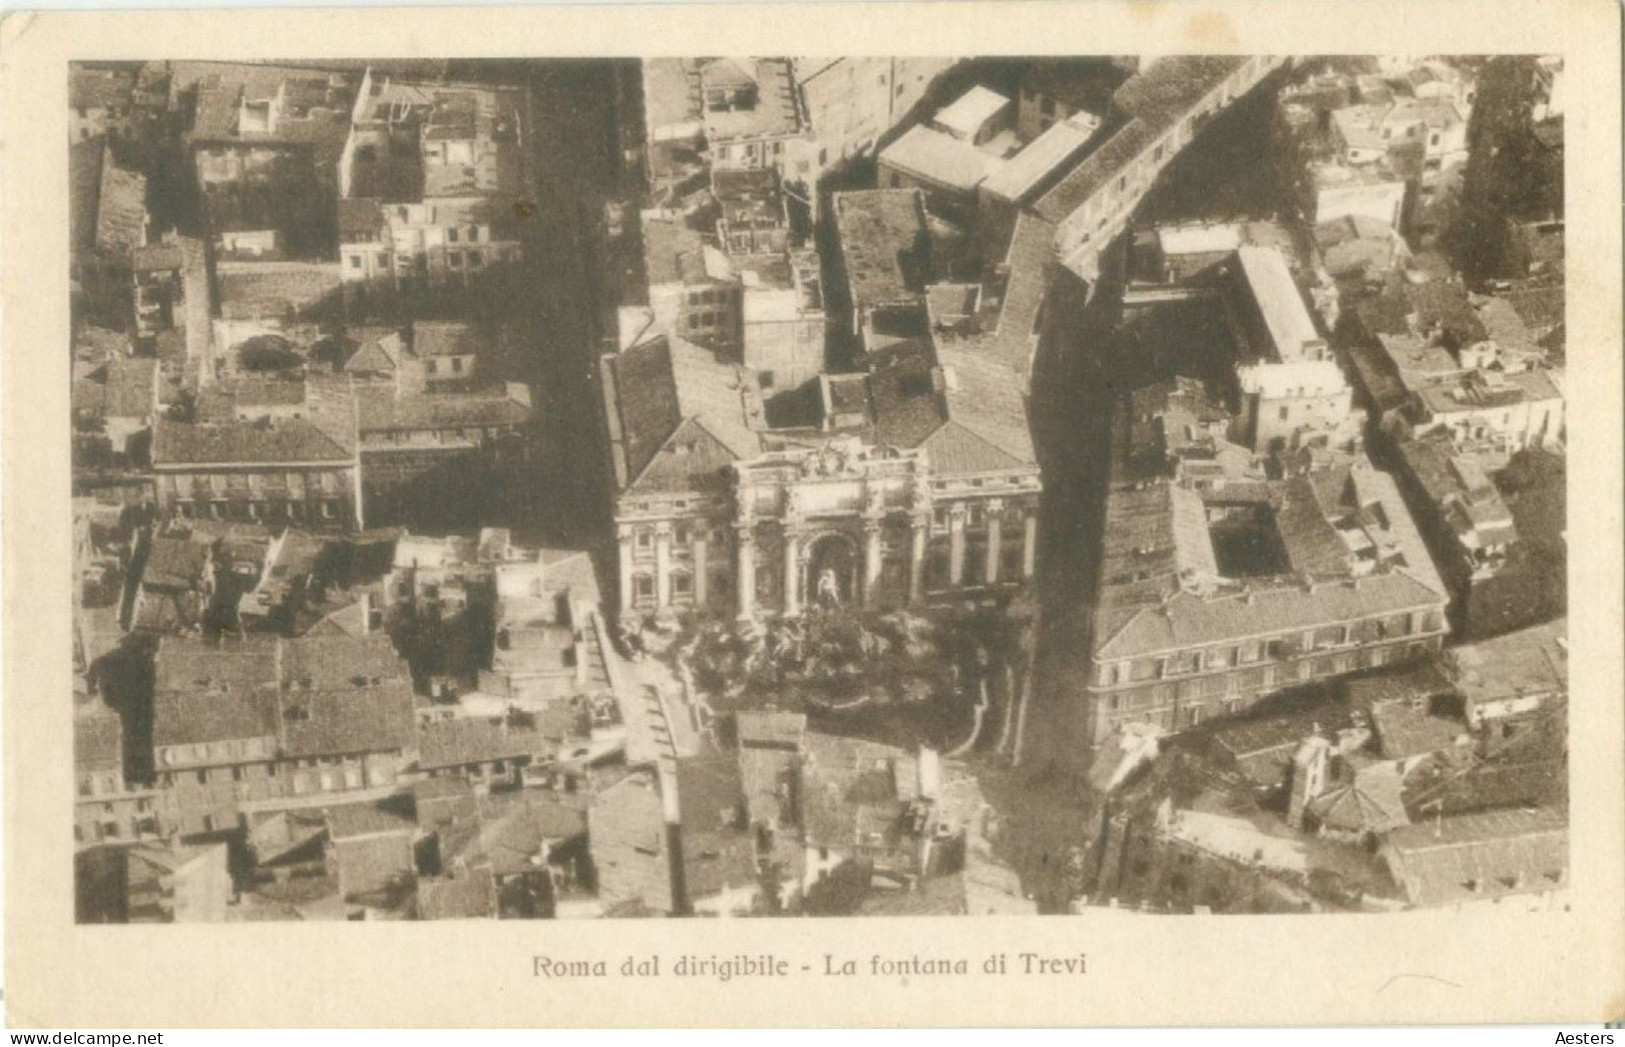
(681, 413)
(455, 743)
(127, 389)
(1378, 377)
(1273, 735)
(344, 694)
(360, 215)
(1408, 683)
(100, 88)
(851, 787)
(277, 290)
(885, 245)
(470, 895)
(1153, 100)
(108, 203)
(382, 409)
(175, 563)
(166, 255)
(318, 695)
(1027, 259)
(1529, 661)
(718, 852)
(347, 821)
(84, 185)
(98, 740)
(379, 351)
(672, 252)
(516, 824)
(1527, 769)
(1385, 313)
(1473, 856)
(284, 441)
(1080, 83)
(646, 399)
(121, 209)
(902, 389)
(452, 116)
(207, 692)
(627, 834)
(1403, 730)
(449, 338)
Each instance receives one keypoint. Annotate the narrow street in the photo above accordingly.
(1077, 379)
(572, 169)
(1046, 803)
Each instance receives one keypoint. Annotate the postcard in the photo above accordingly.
(813, 514)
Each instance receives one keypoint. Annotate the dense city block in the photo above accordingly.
(747, 486)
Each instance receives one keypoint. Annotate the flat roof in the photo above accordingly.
(1278, 300)
(1022, 173)
(1530, 661)
(884, 244)
(1198, 239)
(939, 157)
(966, 114)
(775, 112)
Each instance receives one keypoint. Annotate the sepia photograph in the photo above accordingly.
(843, 486)
(813, 516)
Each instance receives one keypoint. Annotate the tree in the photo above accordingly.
(184, 409)
(1510, 174)
(267, 352)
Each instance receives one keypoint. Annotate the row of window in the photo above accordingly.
(1232, 690)
(329, 772)
(221, 484)
(1147, 164)
(645, 592)
(708, 296)
(973, 568)
(462, 434)
(114, 829)
(978, 517)
(1230, 656)
(456, 259)
(104, 785)
(276, 509)
(705, 319)
(751, 152)
(683, 536)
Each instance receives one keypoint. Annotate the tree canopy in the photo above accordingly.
(1511, 174)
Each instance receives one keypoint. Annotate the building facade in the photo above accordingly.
(259, 720)
(1218, 587)
(713, 515)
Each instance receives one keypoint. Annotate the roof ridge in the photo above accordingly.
(978, 434)
(1139, 613)
(682, 420)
